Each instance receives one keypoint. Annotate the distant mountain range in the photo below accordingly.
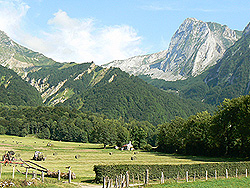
(20, 59)
(208, 61)
(109, 91)
(194, 47)
(229, 78)
(88, 87)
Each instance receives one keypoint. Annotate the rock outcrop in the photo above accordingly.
(194, 47)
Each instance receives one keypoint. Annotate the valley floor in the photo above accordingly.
(63, 154)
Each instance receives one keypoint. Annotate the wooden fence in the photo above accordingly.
(128, 180)
(33, 174)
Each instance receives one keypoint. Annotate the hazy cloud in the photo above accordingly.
(12, 13)
(71, 39)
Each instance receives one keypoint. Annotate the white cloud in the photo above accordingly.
(71, 39)
(81, 40)
(12, 13)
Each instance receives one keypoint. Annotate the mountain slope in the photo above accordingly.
(229, 78)
(109, 91)
(19, 58)
(194, 47)
(15, 91)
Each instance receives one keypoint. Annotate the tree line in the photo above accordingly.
(225, 133)
(62, 123)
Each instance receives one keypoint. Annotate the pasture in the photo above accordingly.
(62, 154)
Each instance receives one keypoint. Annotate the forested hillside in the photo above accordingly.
(109, 91)
(15, 91)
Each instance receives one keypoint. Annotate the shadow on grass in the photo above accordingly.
(202, 158)
(89, 180)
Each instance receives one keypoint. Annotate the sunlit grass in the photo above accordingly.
(62, 154)
(225, 183)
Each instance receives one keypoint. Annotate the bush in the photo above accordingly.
(171, 171)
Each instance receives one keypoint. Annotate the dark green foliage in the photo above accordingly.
(115, 94)
(62, 123)
(15, 91)
(190, 137)
(226, 133)
(230, 128)
(170, 171)
(229, 78)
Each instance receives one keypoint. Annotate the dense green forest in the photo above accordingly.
(226, 133)
(15, 91)
(111, 92)
(61, 123)
(229, 78)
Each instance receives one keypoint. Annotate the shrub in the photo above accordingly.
(171, 171)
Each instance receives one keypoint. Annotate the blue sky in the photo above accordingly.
(106, 30)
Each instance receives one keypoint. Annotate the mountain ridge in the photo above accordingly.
(229, 78)
(194, 47)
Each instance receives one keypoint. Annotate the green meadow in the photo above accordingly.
(211, 183)
(62, 154)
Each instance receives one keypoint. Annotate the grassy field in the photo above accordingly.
(62, 154)
(221, 183)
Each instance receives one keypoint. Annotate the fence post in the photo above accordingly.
(43, 176)
(236, 175)
(206, 174)
(0, 170)
(146, 177)
(108, 181)
(26, 174)
(120, 181)
(226, 173)
(162, 177)
(138, 177)
(194, 176)
(59, 175)
(33, 174)
(69, 176)
(186, 176)
(116, 182)
(123, 180)
(133, 179)
(246, 172)
(215, 174)
(13, 173)
(177, 177)
(127, 179)
(111, 182)
(104, 182)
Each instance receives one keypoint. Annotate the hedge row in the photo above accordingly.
(171, 171)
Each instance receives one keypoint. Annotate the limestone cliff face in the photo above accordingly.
(194, 47)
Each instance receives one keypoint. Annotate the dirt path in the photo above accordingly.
(84, 185)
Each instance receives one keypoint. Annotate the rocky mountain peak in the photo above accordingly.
(246, 30)
(194, 47)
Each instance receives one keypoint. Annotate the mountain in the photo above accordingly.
(108, 91)
(194, 47)
(229, 78)
(88, 87)
(15, 91)
(22, 60)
